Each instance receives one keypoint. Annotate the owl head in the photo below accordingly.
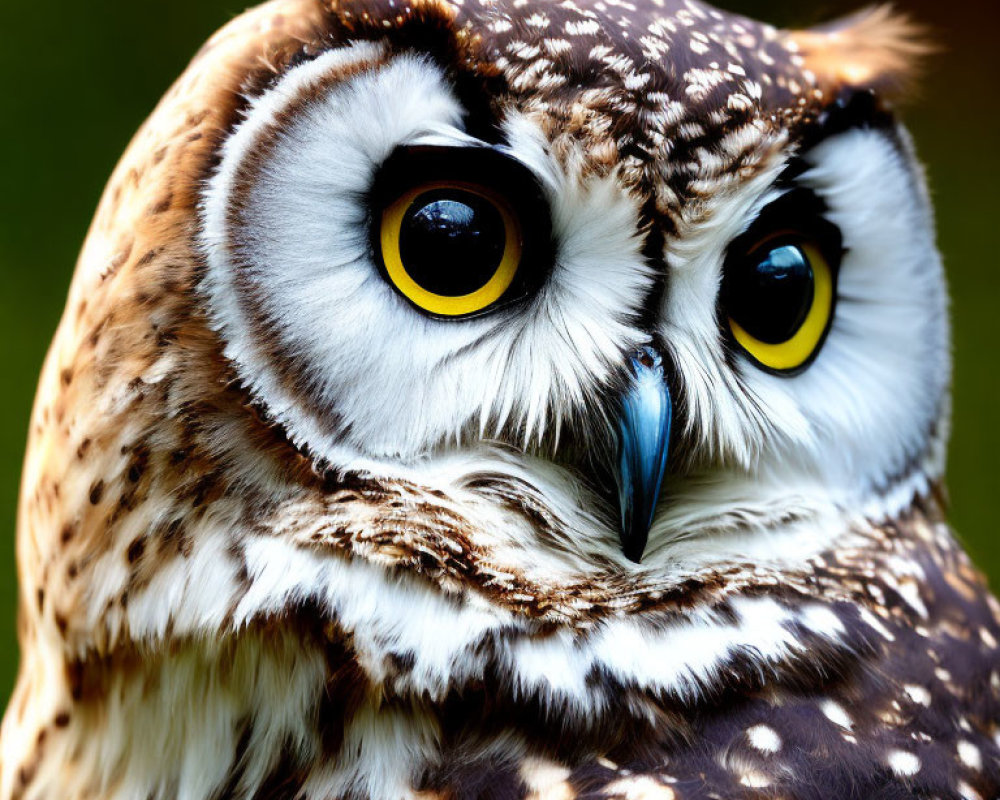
(648, 273)
(517, 343)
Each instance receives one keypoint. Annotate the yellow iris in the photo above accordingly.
(796, 351)
(493, 286)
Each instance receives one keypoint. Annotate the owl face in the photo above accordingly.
(422, 277)
(575, 351)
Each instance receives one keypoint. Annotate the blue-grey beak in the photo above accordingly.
(643, 444)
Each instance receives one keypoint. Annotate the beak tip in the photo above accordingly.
(633, 552)
(634, 534)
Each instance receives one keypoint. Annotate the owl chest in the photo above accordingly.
(272, 717)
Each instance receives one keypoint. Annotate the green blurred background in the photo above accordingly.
(80, 77)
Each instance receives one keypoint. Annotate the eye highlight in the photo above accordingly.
(451, 248)
(459, 231)
(779, 286)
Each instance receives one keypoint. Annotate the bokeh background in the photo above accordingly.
(78, 79)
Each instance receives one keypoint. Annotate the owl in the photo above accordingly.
(506, 399)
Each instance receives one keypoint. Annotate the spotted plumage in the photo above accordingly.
(282, 535)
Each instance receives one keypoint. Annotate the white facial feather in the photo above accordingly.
(869, 414)
(409, 384)
(879, 389)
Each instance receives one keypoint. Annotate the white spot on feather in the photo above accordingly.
(904, 764)
(970, 755)
(764, 738)
(836, 714)
(918, 694)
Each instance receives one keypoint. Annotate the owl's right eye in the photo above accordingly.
(780, 302)
(779, 284)
(453, 245)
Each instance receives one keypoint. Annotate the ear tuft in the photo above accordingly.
(877, 48)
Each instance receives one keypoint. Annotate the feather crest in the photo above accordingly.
(876, 48)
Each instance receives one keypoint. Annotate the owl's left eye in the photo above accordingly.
(779, 286)
(452, 245)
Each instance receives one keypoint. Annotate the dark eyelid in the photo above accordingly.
(801, 210)
(853, 109)
(409, 165)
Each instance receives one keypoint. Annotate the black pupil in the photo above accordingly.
(770, 297)
(451, 241)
